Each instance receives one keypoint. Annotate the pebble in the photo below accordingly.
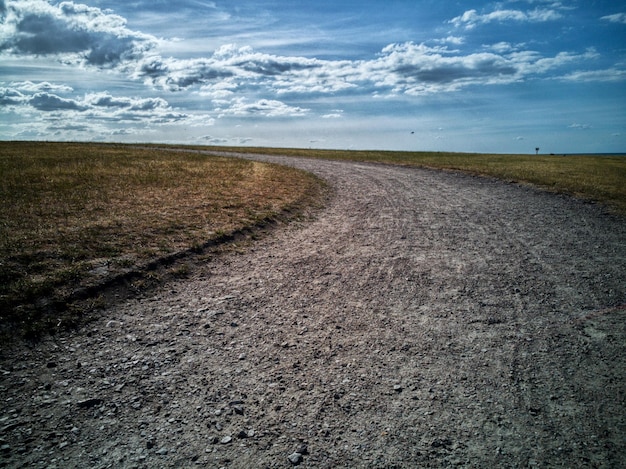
(225, 440)
(295, 458)
(238, 408)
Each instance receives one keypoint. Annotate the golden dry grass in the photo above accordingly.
(73, 214)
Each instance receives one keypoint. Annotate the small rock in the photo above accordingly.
(88, 403)
(441, 442)
(397, 387)
(237, 406)
(162, 451)
(295, 458)
(303, 449)
(227, 439)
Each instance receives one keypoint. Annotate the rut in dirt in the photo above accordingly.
(423, 319)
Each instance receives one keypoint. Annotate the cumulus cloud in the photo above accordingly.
(471, 18)
(72, 32)
(52, 102)
(404, 68)
(417, 69)
(233, 79)
(615, 18)
(228, 61)
(44, 99)
(11, 97)
(262, 107)
(76, 33)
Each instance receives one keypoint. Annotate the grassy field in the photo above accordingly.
(72, 215)
(598, 178)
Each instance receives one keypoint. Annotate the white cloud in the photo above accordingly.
(503, 47)
(471, 18)
(417, 69)
(616, 18)
(606, 75)
(335, 114)
(29, 86)
(12, 97)
(55, 112)
(455, 40)
(579, 126)
(78, 33)
(74, 33)
(262, 107)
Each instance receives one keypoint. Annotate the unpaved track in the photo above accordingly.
(424, 319)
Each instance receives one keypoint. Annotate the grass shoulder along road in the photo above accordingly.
(597, 178)
(74, 216)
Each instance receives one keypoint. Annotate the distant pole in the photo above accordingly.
(536, 150)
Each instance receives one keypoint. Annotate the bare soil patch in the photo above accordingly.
(424, 319)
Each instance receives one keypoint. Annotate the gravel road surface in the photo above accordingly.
(421, 319)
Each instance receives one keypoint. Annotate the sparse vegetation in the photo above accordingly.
(75, 214)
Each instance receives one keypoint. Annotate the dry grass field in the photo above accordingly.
(75, 214)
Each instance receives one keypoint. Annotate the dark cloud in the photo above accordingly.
(456, 70)
(199, 75)
(51, 102)
(269, 66)
(88, 34)
(10, 97)
(106, 100)
(42, 35)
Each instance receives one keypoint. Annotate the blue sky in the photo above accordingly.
(503, 77)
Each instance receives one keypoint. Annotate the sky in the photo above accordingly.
(421, 75)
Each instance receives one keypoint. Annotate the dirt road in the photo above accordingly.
(423, 319)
